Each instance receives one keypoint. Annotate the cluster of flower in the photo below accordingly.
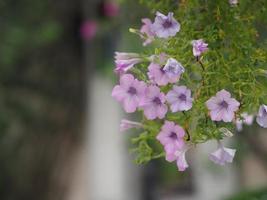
(148, 96)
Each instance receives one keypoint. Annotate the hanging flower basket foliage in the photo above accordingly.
(202, 75)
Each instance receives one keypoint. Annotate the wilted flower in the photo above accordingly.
(127, 124)
(222, 155)
(173, 68)
(147, 32)
(222, 106)
(233, 2)
(129, 92)
(153, 103)
(245, 119)
(170, 134)
(199, 47)
(165, 26)
(88, 30)
(179, 98)
(125, 61)
(262, 116)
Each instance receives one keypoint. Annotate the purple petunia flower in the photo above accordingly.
(262, 116)
(222, 155)
(173, 68)
(125, 61)
(175, 153)
(147, 32)
(165, 26)
(170, 73)
(222, 106)
(179, 98)
(233, 2)
(129, 92)
(246, 119)
(153, 103)
(171, 133)
(126, 125)
(199, 47)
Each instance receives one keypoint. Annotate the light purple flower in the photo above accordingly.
(173, 68)
(158, 76)
(129, 92)
(127, 124)
(171, 133)
(222, 107)
(179, 98)
(246, 119)
(125, 61)
(233, 2)
(199, 47)
(175, 153)
(222, 155)
(262, 116)
(153, 103)
(146, 31)
(165, 26)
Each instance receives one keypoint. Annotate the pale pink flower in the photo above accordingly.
(222, 107)
(129, 92)
(199, 47)
(146, 31)
(125, 61)
(173, 68)
(245, 119)
(153, 103)
(262, 116)
(222, 155)
(127, 124)
(179, 98)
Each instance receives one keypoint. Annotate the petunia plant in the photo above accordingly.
(202, 78)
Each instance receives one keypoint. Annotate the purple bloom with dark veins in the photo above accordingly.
(165, 26)
(153, 103)
(127, 124)
(262, 116)
(199, 47)
(222, 107)
(171, 133)
(222, 155)
(129, 92)
(173, 68)
(125, 61)
(179, 98)
(147, 33)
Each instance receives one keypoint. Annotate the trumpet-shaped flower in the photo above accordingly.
(245, 119)
(125, 61)
(222, 155)
(127, 124)
(171, 133)
(173, 68)
(222, 106)
(199, 47)
(158, 76)
(262, 116)
(147, 33)
(129, 92)
(153, 103)
(179, 98)
(165, 26)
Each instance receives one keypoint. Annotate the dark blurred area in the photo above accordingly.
(59, 127)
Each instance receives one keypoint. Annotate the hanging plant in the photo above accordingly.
(203, 77)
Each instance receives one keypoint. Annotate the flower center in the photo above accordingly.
(157, 101)
(224, 104)
(182, 97)
(167, 24)
(173, 135)
(132, 91)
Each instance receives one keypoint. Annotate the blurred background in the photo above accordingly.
(59, 126)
